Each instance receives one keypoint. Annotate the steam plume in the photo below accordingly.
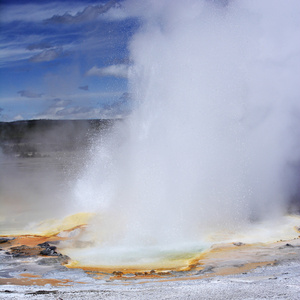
(214, 131)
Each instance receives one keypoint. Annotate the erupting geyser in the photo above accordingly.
(213, 133)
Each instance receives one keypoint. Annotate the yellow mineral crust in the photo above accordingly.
(54, 227)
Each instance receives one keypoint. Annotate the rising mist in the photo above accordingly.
(214, 135)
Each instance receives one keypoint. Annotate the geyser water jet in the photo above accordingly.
(215, 89)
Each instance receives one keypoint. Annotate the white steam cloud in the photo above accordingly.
(216, 124)
(120, 71)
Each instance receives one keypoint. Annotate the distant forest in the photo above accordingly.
(34, 136)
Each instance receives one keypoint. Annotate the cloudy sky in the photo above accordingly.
(63, 59)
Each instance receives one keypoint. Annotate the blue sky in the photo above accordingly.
(63, 59)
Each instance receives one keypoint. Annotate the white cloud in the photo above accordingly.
(89, 13)
(72, 97)
(12, 53)
(18, 118)
(120, 71)
(47, 55)
(116, 13)
(22, 48)
(39, 46)
(37, 12)
(61, 12)
(79, 112)
(67, 109)
(74, 112)
(60, 102)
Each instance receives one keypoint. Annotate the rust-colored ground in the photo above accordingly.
(36, 281)
(219, 260)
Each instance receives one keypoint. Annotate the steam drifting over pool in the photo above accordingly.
(213, 139)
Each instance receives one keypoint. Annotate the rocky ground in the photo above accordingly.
(232, 271)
